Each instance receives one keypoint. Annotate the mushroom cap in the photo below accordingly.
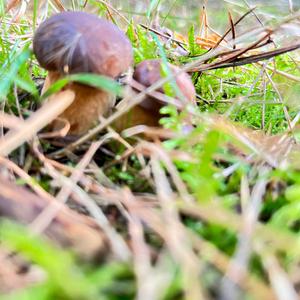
(78, 42)
(149, 71)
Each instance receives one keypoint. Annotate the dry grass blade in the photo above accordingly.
(175, 238)
(272, 149)
(41, 118)
(11, 4)
(10, 121)
(27, 179)
(232, 29)
(59, 4)
(108, 6)
(141, 256)
(239, 264)
(164, 35)
(250, 59)
(284, 74)
(280, 281)
(234, 24)
(218, 259)
(165, 158)
(233, 55)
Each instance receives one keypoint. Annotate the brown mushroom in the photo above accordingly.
(147, 112)
(78, 42)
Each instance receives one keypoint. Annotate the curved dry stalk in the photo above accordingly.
(38, 120)
(238, 266)
(279, 279)
(10, 121)
(176, 239)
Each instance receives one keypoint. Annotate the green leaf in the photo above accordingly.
(93, 80)
(8, 77)
(55, 87)
(43, 292)
(146, 48)
(35, 12)
(292, 193)
(192, 43)
(98, 81)
(153, 5)
(2, 8)
(287, 216)
(27, 85)
(130, 32)
(170, 87)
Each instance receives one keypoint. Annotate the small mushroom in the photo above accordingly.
(78, 42)
(147, 112)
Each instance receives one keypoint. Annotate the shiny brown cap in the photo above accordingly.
(78, 42)
(149, 71)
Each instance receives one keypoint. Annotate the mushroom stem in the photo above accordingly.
(138, 115)
(147, 73)
(89, 104)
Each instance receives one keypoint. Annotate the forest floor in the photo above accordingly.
(157, 213)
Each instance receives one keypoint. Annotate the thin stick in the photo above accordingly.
(52, 109)
(232, 29)
(234, 24)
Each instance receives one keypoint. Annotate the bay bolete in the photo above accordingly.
(78, 42)
(146, 74)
